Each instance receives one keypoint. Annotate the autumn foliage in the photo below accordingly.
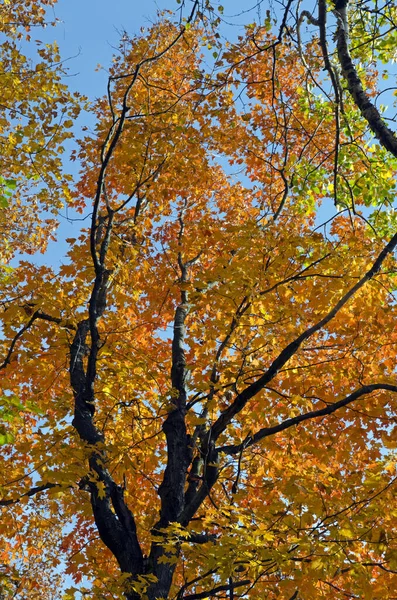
(200, 402)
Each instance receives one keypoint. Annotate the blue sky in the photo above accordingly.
(89, 31)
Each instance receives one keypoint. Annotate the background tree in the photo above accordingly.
(36, 114)
(206, 388)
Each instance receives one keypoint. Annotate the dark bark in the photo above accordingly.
(179, 455)
(385, 135)
(113, 518)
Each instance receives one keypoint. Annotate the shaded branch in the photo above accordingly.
(241, 400)
(179, 451)
(32, 492)
(313, 414)
(51, 319)
(201, 538)
(194, 581)
(215, 590)
(39, 314)
(17, 336)
(114, 520)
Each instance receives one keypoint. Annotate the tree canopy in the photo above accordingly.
(200, 402)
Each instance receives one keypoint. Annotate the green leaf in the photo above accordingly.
(6, 438)
(11, 184)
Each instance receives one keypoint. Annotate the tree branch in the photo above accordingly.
(114, 520)
(32, 492)
(200, 538)
(18, 335)
(38, 314)
(212, 453)
(314, 414)
(369, 111)
(215, 590)
(241, 400)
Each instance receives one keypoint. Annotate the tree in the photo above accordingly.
(203, 395)
(36, 114)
